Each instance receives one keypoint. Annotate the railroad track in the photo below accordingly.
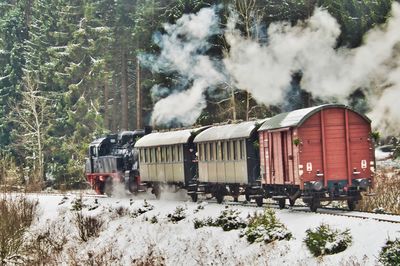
(332, 211)
(381, 217)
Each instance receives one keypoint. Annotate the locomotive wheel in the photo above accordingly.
(108, 186)
(351, 204)
(282, 203)
(194, 197)
(133, 186)
(259, 201)
(247, 196)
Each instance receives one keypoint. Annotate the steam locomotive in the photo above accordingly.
(319, 154)
(113, 158)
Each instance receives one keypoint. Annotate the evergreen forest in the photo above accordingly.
(71, 71)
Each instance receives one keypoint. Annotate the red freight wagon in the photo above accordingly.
(321, 153)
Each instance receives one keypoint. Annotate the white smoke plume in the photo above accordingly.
(183, 47)
(265, 70)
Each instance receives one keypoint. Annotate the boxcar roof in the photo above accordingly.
(297, 117)
(167, 138)
(229, 131)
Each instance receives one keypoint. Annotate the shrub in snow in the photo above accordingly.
(200, 206)
(178, 215)
(77, 204)
(265, 228)
(198, 223)
(325, 240)
(154, 220)
(121, 211)
(16, 216)
(88, 226)
(146, 207)
(390, 253)
(230, 220)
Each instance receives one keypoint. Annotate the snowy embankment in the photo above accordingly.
(134, 232)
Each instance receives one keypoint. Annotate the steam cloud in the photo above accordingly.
(265, 70)
(183, 47)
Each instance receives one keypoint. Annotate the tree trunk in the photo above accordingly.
(139, 123)
(247, 105)
(234, 116)
(124, 89)
(106, 99)
(115, 114)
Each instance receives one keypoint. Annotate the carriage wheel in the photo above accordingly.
(219, 196)
(194, 197)
(156, 191)
(351, 204)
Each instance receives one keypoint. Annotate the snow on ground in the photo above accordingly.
(132, 239)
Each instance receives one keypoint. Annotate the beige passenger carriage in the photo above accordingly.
(228, 158)
(167, 157)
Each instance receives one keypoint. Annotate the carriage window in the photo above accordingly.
(206, 151)
(179, 153)
(228, 150)
(223, 150)
(163, 154)
(151, 155)
(173, 153)
(218, 151)
(234, 150)
(156, 155)
(168, 156)
(211, 146)
(240, 152)
(142, 155)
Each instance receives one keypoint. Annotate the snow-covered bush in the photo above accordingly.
(200, 206)
(230, 220)
(146, 207)
(324, 240)
(266, 228)
(227, 220)
(178, 215)
(198, 223)
(390, 253)
(77, 204)
(154, 219)
(88, 226)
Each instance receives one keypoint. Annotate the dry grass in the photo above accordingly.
(16, 216)
(386, 194)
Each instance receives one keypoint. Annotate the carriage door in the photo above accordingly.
(284, 155)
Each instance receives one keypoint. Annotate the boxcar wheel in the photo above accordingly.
(282, 203)
(259, 201)
(292, 202)
(351, 204)
(313, 205)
